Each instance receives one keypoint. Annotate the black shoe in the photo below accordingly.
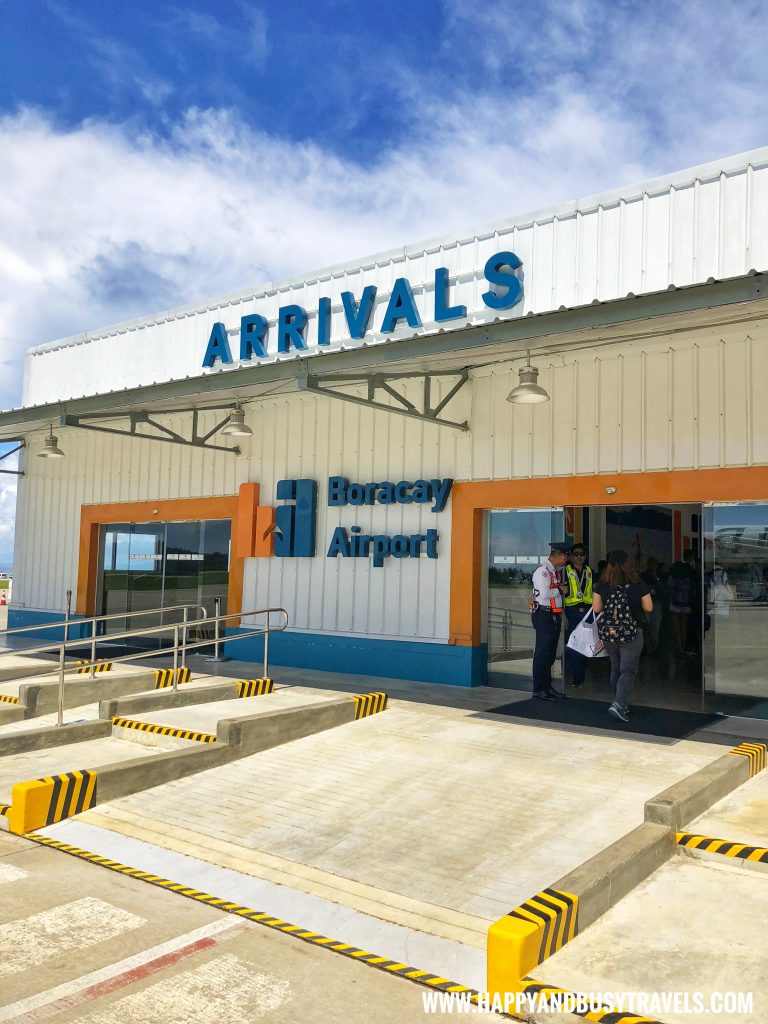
(557, 694)
(577, 686)
(544, 695)
(619, 712)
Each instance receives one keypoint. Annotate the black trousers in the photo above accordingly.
(575, 663)
(547, 626)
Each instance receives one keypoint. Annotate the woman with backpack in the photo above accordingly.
(621, 600)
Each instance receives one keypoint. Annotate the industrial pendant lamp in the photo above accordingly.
(51, 448)
(236, 426)
(528, 392)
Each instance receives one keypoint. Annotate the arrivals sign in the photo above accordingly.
(295, 523)
(505, 291)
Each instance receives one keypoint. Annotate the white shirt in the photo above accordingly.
(546, 592)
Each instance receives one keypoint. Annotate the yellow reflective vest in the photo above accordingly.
(577, 594)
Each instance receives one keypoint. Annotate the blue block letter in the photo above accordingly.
(218, 346)
(358, 317)
(443, 311)
(291, 324)
(400, 307)
(253, 331)
(499, 270)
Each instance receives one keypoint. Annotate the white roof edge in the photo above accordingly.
(660, 183)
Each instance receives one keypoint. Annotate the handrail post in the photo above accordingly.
(216, 631)
(93, 649)
(61, 685)
(184, 638)
(67, 615)
(176, 657)
(266, 648)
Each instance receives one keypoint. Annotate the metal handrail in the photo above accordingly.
(94, 621)
(99, 618)
(178, 645)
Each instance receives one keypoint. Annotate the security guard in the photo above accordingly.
(546, 616)
(578, 601)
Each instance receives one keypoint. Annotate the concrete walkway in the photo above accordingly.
(690, 928)
(81, 943)
(742, 817)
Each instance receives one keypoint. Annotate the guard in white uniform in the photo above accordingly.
(547, 617)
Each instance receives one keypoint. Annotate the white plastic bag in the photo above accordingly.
(585, 639)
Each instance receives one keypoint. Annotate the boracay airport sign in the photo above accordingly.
(505, 290)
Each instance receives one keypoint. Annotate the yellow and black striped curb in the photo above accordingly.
(539, 988)
(45, 801)
(528, 935)
(84, 667)
(164, 677)
(369, 704)
(726, 847)
(756, 752)
(5, 699)
(433, 981)
(254, 687)
(164, 730)
(4, 808)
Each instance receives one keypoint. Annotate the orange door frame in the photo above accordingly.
(239, 508)
(472, 499)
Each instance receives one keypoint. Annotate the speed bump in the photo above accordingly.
(723, 846)
(254, 687)
(163, 730)
(528, 935)
(164, 677)
(42, 802)
(84, 667)
(755, 752)
(369, 704)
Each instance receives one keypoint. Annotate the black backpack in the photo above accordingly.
(617, 624)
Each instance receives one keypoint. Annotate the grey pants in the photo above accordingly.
(625, 659)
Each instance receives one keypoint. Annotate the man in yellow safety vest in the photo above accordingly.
(576, 603)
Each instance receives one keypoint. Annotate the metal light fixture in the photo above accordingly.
(237, 427)
(528, 392)
(51, 448)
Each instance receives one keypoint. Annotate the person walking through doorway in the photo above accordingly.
(577, 602)
(680, 589)
(546, 616)
(620, 599)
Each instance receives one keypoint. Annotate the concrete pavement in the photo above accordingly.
(82, 943)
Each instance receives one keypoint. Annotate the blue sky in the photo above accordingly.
(155, 154)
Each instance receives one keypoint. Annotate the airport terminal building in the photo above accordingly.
(385, 448)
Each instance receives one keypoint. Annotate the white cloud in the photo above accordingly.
(102, 222)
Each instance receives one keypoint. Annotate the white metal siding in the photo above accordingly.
(651, 405)
(684, 403)
(678, 232)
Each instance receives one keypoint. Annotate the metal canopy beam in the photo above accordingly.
(13, 472)
(163, 433)
(326, 385)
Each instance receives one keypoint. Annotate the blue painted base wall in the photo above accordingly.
(389, 659)
(32, 617)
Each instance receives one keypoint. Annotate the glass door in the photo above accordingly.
(518, 541)
(146, 566)
(735, 586)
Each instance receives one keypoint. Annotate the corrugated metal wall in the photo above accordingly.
(688, 402)
(651, 405)
(682, 231)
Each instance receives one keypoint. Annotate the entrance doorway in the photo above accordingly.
(725, 635)
(146, 566)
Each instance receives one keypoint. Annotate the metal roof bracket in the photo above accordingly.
(387, 384)
(13, 472)
(162, 433)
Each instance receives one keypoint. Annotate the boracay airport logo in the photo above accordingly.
(505, 291)
(294, 525)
